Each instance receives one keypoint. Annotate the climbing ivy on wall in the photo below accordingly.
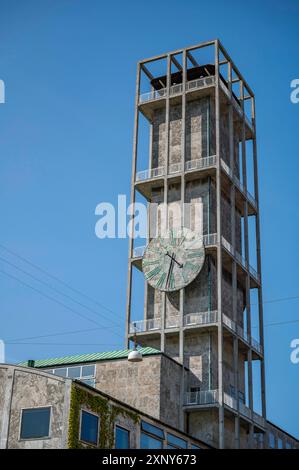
(106, 411)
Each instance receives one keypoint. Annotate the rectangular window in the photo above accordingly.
(85, 374)
(35, 423)
(271, 440)
(279, 443)
(74, 372)
(149, 428)
(151, 436)
(122, 438)
(149, 442)
(193, 446)
(174, 442)
(89, 427)
(88, 371)
(61, 372)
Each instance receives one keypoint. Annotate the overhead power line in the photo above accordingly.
(77, 291)
(69, 344)
(58, 291)
(53, 334)
(56, 278)
(55, 300)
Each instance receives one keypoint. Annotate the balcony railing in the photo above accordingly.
(256, 345)
(208, 240)
(239, 258)
(258, 419)
(238, 183)
(177, 89)
(235, 103)
(174, 168)
(190, 165)
(141, 326)
(209, 397)
(242, 333)
(244, 410)
(205, 397)
(230, 401)
(201, 318)
(229, 323)
(200, 83)
(153, 95)
(200, 163)
(150, 174)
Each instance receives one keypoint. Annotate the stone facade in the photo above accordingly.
(153, 386)
(26, 388)
(29, 388)
(201, 294)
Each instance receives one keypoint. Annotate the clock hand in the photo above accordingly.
(173, 258)
(169, 272)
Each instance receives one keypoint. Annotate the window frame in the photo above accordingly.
(22, 439)
(270, 436)
(175, 446)
(152, 435)
(116, 425)
(85, 410)
(82, 378)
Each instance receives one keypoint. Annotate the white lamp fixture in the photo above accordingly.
(135, 355)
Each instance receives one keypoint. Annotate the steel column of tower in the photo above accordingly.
(246, 245)
(219, 249)
(165, 191)
(259, 264)
(234, 264)
(132, 198)
(182, 291)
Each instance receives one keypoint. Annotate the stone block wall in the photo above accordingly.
(25, 388)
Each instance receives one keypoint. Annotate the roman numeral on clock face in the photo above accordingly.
(194, 253)
(171, 282)
(191, 266)
(161, 280)
(150, 263)
(154, 272)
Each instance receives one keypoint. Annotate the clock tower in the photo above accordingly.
(202, 273)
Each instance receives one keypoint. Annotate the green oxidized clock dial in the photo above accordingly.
(172, 262)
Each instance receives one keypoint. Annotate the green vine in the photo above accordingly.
(107, 413)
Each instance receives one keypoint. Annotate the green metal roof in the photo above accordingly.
(92, 357)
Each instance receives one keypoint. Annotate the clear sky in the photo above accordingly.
(66, 143)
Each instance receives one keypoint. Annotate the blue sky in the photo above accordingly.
(66, 144)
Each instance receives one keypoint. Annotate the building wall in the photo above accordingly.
(137, 384)
(276, 438)
(22, 387)
(170, 392)
(204, 425)
(25, 388)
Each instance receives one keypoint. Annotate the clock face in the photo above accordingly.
(170, 263)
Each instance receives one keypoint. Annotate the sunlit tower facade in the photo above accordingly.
(196, 112)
